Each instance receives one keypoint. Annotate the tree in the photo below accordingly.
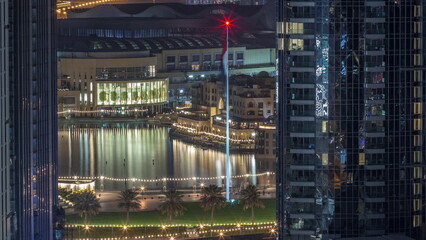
(251, 199)
(114, 96)
(134, 96)
(172, 206)
(212, 199)
(123, 96)
(86, 204)
(103, 96)
(128, 200)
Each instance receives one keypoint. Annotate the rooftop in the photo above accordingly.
(153, 45)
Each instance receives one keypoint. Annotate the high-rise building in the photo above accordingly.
(4, 126)
(351, 116)
(33, 118)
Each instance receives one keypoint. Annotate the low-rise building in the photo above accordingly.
(252, 101)
(113, 83)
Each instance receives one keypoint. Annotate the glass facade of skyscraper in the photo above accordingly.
(33, 119)
(350, 112)
(4, 125)
(132, 93)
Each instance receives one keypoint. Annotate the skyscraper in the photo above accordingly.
(33, 124)
(4, 126)
(350, 112)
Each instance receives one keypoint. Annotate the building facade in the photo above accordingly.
(350, 118)
(33, 118)
(4, 123)
(86, 63)
(99, 82)
(252, 102)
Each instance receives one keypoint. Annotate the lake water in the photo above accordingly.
(146, 151)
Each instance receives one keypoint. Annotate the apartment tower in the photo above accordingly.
(350, 118)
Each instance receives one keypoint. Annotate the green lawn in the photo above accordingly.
(194, 216)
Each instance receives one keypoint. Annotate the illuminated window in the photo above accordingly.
(416, 221)
(324, 126)
(362, 159)
(295, 44)
(280, 27)
(195, 67)
(417, 124)
(417, 172)
(324, 157)
(417, 43)
(417, 27)
(417, 157)
(280, 43)
(294, 28)
(417, 140)
(417, 188)
(417, 92)
(417, 205)
(417, 11)
(417, 108)
(417, 75)
(417, 60)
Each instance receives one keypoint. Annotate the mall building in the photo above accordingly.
(119, 76)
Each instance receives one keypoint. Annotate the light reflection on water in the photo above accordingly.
(146, 151)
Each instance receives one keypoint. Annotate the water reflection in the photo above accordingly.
(144, 151)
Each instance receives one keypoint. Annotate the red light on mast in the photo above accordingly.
(227, 23)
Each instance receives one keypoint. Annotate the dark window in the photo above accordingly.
(171, 59)
(183, 59)
(195, 58)
(240, 56)
(207, 58)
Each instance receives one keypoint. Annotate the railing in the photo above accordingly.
(194, 117)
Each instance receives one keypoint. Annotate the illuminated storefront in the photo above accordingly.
(148, 92)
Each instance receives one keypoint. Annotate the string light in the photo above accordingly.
(193, 130)
(223, 228)
(76, 178)
(103, 111)
(60, 10)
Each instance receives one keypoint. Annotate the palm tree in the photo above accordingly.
(251, 199)
(212, 199)
(128, 200)
(172, 206)
(86, 204)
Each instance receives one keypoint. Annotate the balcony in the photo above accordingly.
(302, 64)
(193, 116)
(300, 194)
(310, 162)
(310, 97)
(300, 31)
(377, 129)
(302, 113)
(303, 80)
(304, 178)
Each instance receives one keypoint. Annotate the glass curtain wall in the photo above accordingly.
(132, 93)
